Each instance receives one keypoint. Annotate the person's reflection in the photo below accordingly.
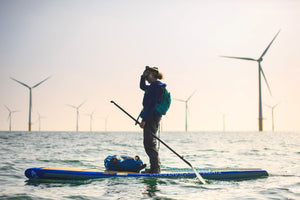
(151, 187)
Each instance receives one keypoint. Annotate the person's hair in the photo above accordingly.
(155, 72)
(159, 75)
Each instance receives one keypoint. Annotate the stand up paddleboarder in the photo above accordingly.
(150, 115)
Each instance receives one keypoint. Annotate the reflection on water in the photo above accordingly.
(151, 187)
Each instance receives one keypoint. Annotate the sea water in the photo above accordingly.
(276, 152)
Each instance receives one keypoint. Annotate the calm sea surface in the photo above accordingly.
(278, 153)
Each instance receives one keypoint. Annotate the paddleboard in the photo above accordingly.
(58, 173)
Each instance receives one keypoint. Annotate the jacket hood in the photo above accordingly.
(159, 83)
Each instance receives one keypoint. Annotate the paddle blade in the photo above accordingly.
(199, 176)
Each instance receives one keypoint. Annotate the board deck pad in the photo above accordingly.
(60, 173)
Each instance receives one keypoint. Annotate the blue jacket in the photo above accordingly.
(151, 97)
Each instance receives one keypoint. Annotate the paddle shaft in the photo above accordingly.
(181, 157)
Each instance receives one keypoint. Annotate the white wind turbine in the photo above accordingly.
(91, 120)
(260, 71)
(9, 116)
(106, 122)
(224, 123)
(186, 108)
(30, 97)
(39, 119)
(77, 111)
(272, 107)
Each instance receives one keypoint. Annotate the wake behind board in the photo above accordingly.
(55, 173)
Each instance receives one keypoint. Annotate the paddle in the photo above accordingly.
(181, 157)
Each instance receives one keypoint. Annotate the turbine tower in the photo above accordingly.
(9, 116)
(77, 111)
(30, 97)
(186, 108)
(272, 107)
(260, 72)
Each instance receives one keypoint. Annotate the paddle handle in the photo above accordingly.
(125, 112)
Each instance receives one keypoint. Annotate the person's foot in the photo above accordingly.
(151, 171)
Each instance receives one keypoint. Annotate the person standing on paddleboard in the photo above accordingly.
(150, 117)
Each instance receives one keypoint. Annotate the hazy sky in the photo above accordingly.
(97, 50)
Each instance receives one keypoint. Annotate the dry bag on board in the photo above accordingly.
(124, 163)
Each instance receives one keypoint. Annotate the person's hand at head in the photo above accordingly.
(146, 72)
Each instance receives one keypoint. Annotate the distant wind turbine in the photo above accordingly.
(30, 97)
(105, 122)
(186, 108)
(224, 125)
(9, 116)
(260, 71)
(272, 107)
(91, 120)
(40, 117)
(77, 111)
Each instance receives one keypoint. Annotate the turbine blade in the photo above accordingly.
(20, 82)
(265, 80)
(41, 82)
(81, 104)
(7, 108)
(241, 58)
(262, 55)
(71, 106)
(179, 100)
(268, 105)
(190, 96)
(276, 105)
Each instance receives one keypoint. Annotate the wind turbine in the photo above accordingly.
(91, 120)
(77, 111)
(224, 125)
(9, 116)
(186, 108)
(30, 97)
(40, 117)
(105, 122)
(272, 107)
(260, 72)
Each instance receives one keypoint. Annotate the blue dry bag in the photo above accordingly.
(123, 163)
